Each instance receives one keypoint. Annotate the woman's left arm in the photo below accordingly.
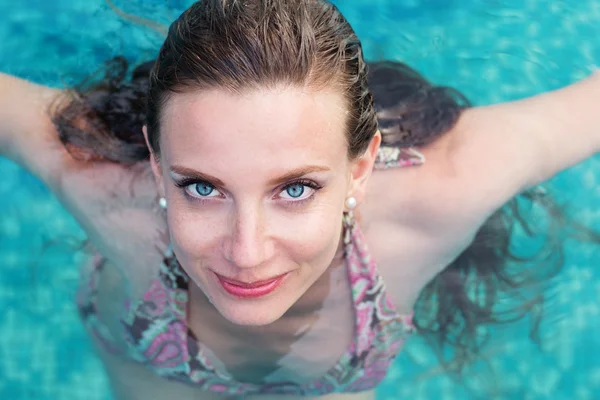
(500, 150)
(563, 127)
(495, 152)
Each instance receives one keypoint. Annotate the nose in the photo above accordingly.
(248, 244)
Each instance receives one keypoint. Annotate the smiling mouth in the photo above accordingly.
(250, 290)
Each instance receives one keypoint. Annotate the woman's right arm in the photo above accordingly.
(113, 203)
(27, 135)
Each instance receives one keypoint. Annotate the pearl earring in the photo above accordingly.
(162, 202)
(351, 203)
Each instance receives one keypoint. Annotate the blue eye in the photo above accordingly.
(299, 191)
(203, 189)
(295, 191)
(198, 189)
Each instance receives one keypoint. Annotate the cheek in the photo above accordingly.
(315, 237)
(194, 234)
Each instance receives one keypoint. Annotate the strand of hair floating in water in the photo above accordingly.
(156, 26)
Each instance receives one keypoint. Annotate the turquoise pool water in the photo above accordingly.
(492, 50)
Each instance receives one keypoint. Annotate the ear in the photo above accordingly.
(155, 164)
(362, 169)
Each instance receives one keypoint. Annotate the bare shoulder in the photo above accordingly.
(116, 207)
(435, 198)
(115, 204)
(423, 217)
(426, 216)
(492, 154)
(419, 219)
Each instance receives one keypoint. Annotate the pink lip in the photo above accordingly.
(249, 290)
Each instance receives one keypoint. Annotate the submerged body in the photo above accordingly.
(411, 235)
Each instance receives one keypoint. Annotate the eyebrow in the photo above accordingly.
(288, 176)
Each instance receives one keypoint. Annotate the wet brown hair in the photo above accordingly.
(236, 46)
(240, 45)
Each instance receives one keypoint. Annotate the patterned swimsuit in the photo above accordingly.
(157, 335)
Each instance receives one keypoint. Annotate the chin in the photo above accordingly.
(252, 313)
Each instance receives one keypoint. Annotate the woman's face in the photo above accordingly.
(256, 184)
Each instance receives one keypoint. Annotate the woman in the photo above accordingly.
(248, 180)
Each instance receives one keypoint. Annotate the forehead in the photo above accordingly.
(284, 125)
